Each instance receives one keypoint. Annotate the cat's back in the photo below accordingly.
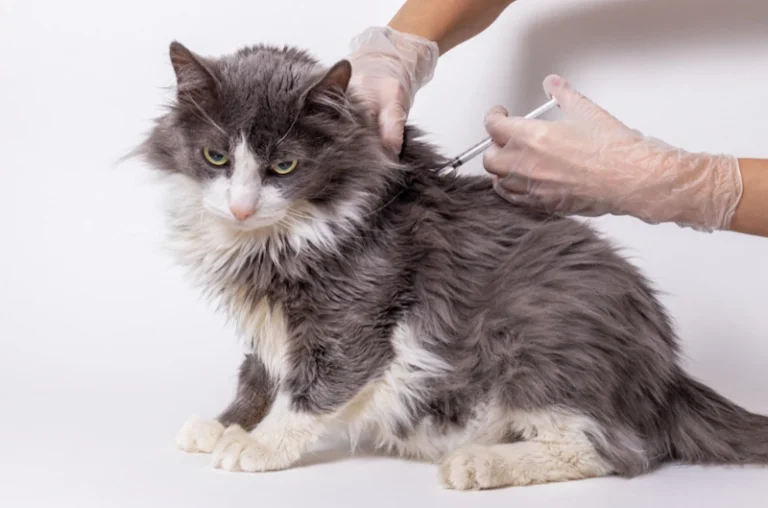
(466, 205)
(487, 249)
(506, 270)
(464, 212)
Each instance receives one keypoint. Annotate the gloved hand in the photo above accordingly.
(388, 68)
(589, 163)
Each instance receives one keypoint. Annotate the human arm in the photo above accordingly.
(751, 215)
(589, 163)
(447, 22)
(390, 64)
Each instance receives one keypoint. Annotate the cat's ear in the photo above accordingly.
(337, 78)
(326, 96)
(332, 84)
(195, 80)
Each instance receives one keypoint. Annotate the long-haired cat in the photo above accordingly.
(510, 347)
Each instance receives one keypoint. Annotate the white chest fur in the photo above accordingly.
(264, 329)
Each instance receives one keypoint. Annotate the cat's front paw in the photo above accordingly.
(472, 467)
(237, 450)
(199, 436)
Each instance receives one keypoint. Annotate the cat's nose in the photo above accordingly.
(242, 211)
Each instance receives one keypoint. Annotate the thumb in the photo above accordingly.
(495, 125)
(392, 124)
(494, 115)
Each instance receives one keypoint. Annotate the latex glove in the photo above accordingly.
(589, 163)
(388, 68)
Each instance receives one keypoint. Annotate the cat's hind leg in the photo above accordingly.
(554, 448)
(477, 467)
(252, 402)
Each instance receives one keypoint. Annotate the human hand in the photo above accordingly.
(388, 68)
(589, 163)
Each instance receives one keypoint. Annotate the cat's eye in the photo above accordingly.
(215, 158)
(285, 167)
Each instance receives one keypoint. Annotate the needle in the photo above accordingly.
(483, 145)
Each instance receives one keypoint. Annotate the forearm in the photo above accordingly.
(447, 22)
(751, 215)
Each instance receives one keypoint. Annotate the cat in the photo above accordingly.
(508, 346)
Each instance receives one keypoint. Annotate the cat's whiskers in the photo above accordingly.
(290, 128)
(299, 214)
(203, 115)
(213, 207)
(190, 217)
(289, 221)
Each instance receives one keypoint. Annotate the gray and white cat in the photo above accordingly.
(511, 347)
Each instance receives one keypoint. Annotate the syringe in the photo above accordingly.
(483, 145)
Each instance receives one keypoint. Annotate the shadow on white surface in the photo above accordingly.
(562, 39)
(93, 444)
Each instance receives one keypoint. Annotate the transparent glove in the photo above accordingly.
(591, 164)
(388, 68)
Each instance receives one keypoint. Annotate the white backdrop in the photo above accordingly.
(105, 349)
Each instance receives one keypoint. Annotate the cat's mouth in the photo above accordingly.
(256, 222)
(301, 221)
(261, 220)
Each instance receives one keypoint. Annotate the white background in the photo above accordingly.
(105, 349)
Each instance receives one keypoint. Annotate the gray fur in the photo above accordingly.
(530, 310)
(255, 393)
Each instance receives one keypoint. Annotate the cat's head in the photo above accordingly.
(267, 135)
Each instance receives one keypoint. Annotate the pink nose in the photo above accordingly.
(242, 211)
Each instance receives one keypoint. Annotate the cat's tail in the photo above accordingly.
(707, 428)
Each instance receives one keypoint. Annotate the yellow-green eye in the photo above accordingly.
(285, 167)
(215, 158)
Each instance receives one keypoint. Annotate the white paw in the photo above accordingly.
(199, 435)
(237, 450)
(473, 467)
(226, 455)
